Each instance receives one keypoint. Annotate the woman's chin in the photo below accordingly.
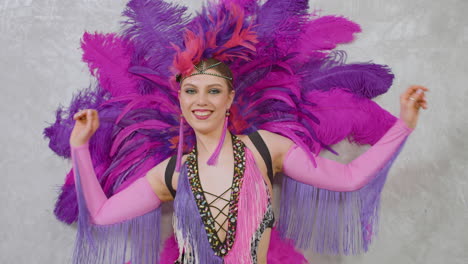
(203, 130)
(203, 127)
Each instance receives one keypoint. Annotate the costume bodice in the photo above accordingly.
(211, 220)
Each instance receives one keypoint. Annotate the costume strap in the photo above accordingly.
(262, 148)
(168, 175)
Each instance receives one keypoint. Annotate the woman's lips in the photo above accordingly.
(202, 114)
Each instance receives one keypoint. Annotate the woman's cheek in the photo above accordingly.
(184, 105)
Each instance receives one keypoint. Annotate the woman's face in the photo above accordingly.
(204, 100)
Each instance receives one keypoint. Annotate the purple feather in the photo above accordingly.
(366, 79)
(152, 25)
(280, 24)
(59, 132)
(249, 6)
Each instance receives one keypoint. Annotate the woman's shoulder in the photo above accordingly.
(277, 144)
(274, 141)
(157, 178)
(160, 169)
(267, 135)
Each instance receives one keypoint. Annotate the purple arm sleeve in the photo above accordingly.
(335, 176)
(135, 200)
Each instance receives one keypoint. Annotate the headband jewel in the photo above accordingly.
(203, 70)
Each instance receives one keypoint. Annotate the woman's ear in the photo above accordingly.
(232, 94)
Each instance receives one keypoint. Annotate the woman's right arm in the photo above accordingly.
(139, 198)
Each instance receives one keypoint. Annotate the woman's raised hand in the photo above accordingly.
(86, 124)
(410, 102)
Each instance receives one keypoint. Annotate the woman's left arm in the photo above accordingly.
(332, 175)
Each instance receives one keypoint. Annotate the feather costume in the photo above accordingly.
(288, 80)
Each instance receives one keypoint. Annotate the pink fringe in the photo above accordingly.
(253, 201)
(214, 157)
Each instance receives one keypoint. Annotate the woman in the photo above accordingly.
(160, 140)
(205, 97)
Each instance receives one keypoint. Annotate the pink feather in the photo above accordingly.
(108, 59)
(184, 60)
(282, 251)
(196, 43)
(170, 252)
(239, 38)
(324, 34)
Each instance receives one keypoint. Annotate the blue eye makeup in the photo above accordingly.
(190, 91)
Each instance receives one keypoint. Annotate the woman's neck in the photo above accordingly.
(207, 143)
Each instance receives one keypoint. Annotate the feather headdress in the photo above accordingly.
(220, 32)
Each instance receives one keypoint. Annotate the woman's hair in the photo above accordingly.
(222, 69)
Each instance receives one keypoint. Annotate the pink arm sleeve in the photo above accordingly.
(335, 176)
(137, 199)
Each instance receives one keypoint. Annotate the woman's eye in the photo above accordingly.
(214, 91)
(190, 91)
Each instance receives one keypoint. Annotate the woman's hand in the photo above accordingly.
(86, 124)
(410, 102)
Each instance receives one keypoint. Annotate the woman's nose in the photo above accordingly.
(201, 99)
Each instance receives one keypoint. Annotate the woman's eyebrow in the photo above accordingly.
(188, 84)
(215, 84)
(185, 85)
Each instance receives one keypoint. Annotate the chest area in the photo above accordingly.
(216, 191)
(211, 214)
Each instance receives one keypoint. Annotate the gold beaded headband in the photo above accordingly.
(203, 70)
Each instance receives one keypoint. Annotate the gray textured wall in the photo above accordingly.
(424, 205)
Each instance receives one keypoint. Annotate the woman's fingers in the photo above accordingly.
(423, 102)
(87, 122)
(81, 115)
(410, 102)
(415, 97)
(89, 119)
(412, 90)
